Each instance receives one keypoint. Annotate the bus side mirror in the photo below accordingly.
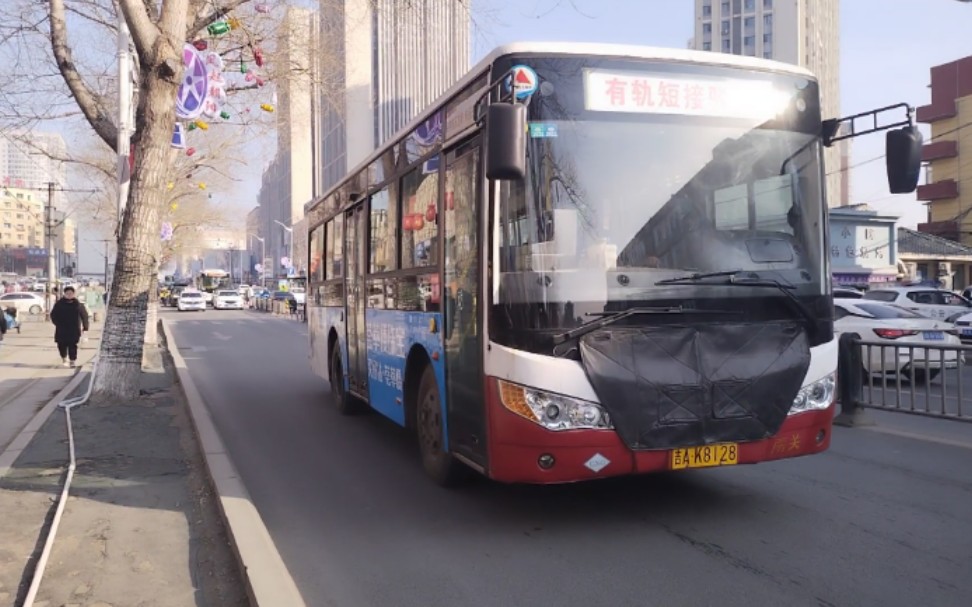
(506, 126)
(903, 159)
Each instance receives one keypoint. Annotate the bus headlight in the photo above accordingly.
(815, 396)
(553, 411)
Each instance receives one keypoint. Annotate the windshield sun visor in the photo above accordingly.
(673, 386)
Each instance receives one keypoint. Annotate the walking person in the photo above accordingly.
(70, 319)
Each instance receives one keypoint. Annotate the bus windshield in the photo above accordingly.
(622, 193)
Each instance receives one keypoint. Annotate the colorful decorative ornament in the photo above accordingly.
(224, 115)
(174, 206)
(266, 107)
(192, 126)
(202, 124)
(167, 231)
(242, 67)
(234, 23)
(263, 7)
(258, 56)
(169, 186)
(202, 185)
(190, 151)
(200, 45)
(218, 28)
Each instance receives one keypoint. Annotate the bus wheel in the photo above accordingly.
(344, 402)
(444, 469)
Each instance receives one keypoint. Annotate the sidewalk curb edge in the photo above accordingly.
(23, 438)
(269, 583)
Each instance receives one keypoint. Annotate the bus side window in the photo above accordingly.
(419, 218)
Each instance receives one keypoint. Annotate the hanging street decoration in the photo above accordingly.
(167, 231)
(192, 93)
(218, 28)
(263, 7)
(266, 107)
(200, 45)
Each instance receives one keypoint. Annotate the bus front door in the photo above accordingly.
(355, 234)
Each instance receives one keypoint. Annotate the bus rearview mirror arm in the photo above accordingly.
(903, 144)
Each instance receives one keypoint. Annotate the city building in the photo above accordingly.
(800, 32)
(21, 218)
(287, 181)
(254, 247)
(948, 180)
(863, 247)
(926, 257)
(380, 62)
(31, 160)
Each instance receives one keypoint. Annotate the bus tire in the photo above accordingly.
(343, 402)
(444, 469)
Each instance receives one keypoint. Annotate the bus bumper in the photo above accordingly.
(517, 446)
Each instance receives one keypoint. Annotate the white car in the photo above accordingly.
(927, 301)
(191, 300)
(300, 295)
(227, 300)
(23, 302)
(898, 331)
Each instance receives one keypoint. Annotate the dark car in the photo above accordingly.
(282, 295)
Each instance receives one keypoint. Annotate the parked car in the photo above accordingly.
(23, 302)
(844, 293)
(191, 300)
(891, 325)
(227, 300)
(927, 301)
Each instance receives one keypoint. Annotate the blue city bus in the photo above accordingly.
(592, 260)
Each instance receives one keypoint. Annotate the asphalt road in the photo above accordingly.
(880, 519)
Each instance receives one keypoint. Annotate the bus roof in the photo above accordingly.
(572, 48)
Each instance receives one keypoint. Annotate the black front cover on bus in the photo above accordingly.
(678, 386)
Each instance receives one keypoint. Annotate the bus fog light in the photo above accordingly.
(553, 411)
(815, 396)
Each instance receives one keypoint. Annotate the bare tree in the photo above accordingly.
(74, 77)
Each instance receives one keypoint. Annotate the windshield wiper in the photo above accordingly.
(694, 277)
(752, 280)
(614, 317)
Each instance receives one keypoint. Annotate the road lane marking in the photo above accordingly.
(921, 437)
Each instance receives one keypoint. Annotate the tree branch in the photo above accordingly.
(91, 105)
(208, 11)
(143, 30)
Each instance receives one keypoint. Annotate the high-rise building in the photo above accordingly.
(379, 63)
(948, 181)
(21, 218)
(800, 32)
(287, 181)
(32, 160)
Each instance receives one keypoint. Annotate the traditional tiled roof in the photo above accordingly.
(911, 242)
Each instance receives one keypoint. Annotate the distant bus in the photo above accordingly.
(210, 281)
(592, 260)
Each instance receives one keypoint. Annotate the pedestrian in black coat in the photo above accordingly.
(70, 319)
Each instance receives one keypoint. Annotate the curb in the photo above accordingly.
(20, 442)
(268, 581)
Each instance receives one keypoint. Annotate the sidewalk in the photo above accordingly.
(31, 373)
(141, 525)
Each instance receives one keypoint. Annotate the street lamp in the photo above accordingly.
(291, 232)
(263, 254)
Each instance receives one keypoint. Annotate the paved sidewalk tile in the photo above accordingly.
(31, 373)
(141, 526)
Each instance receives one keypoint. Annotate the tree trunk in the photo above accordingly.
(139, 243)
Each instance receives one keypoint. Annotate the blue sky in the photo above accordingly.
(887, 48)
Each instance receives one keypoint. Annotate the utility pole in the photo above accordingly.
(51, 262)
(123, 147)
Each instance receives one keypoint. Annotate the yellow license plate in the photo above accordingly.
(724, 454)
